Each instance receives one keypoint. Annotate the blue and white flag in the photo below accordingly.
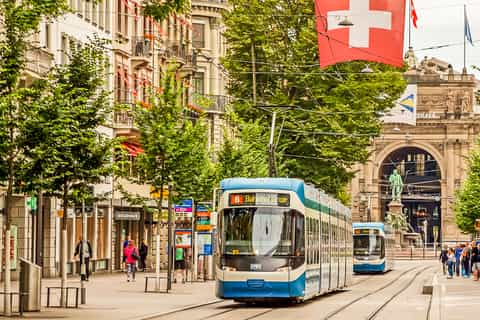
(468, 33)
(405, 110)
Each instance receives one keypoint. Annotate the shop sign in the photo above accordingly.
(127, 215)
(204, 243)
(183, 238)
(13, 247)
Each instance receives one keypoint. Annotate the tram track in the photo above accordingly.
(379, 309)
(226, 307)
(354, 301)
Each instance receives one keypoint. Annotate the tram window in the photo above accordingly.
(299, 235)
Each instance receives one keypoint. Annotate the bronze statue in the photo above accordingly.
(396, 183)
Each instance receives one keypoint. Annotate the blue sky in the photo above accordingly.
(440, 22)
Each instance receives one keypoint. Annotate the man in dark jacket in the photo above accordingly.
(143, 252)
(84, 251)
(443, 258)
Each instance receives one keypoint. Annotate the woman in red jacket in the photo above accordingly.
(131, 257)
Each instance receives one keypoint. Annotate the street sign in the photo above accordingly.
(202, 218)
(32, 203)
(13, 247)
(204, 242)
(183, 238)
(185, 207)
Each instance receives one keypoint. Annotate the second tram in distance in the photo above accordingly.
(373, 247)
(280, 239)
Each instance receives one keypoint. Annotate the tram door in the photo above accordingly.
(325, 269)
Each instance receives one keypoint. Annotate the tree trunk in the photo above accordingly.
(8, 208)
(63, 252)
(157, 242)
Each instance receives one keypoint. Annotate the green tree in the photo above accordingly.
(174, 145)
(245, 155)
(162, 9)
(20, 19)
(467, 200)
(337, 108)
(63, 138)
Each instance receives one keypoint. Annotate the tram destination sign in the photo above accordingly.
(259, 199)
(366, 231)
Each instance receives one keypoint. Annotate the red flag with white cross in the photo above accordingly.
(369, 30)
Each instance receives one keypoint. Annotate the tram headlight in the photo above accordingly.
(284, 269)
(227, 268)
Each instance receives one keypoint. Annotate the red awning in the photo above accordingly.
(132, 149)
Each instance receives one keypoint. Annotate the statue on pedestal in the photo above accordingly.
(396, 183)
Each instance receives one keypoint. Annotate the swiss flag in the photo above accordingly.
(376, 33)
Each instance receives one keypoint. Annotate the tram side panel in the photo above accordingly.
(325, 253)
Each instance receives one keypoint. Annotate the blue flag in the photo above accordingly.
(468, 33)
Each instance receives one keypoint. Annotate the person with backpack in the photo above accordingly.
(450, 262)
(444, 258)
(131, 257)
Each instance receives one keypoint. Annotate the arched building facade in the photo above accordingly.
(431, 156)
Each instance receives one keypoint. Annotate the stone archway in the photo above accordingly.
(421, 170)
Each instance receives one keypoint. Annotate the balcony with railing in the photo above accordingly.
(211, 102)
(223, 4)
(123, 116)
(142, 50)
(38, 61)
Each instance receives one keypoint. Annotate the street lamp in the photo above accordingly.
(345, 23)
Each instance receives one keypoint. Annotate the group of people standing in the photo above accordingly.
(132, 255)
(462, 259)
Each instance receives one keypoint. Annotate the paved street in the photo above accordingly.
(398, 292)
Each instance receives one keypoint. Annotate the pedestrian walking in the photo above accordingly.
(465, 261)
(179, 264)
(131, 258)
(475, 261)
(84, 251)
(125, 244)
(444, 258)
(143, 255)
(458, 255)
(450, 262)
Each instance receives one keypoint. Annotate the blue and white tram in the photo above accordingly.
(280, 239)
(373, 247)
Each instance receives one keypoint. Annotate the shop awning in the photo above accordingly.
(132, 149)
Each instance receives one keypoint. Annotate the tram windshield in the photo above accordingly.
(262, 232)
(368, 245)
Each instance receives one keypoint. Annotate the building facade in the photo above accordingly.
(431, 156)
(209, 81)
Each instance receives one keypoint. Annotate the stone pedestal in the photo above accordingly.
(395, 207)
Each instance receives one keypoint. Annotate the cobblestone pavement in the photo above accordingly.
(110, 296)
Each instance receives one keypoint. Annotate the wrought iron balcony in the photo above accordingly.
(142, 47)
(211, 102)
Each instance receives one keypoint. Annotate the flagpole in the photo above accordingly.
(464, 39)
(409, 24)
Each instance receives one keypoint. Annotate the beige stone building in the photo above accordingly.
(431, 156)
(209, 82)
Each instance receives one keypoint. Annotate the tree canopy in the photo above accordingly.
(467, 201)
(175, 146)
(336, 110)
